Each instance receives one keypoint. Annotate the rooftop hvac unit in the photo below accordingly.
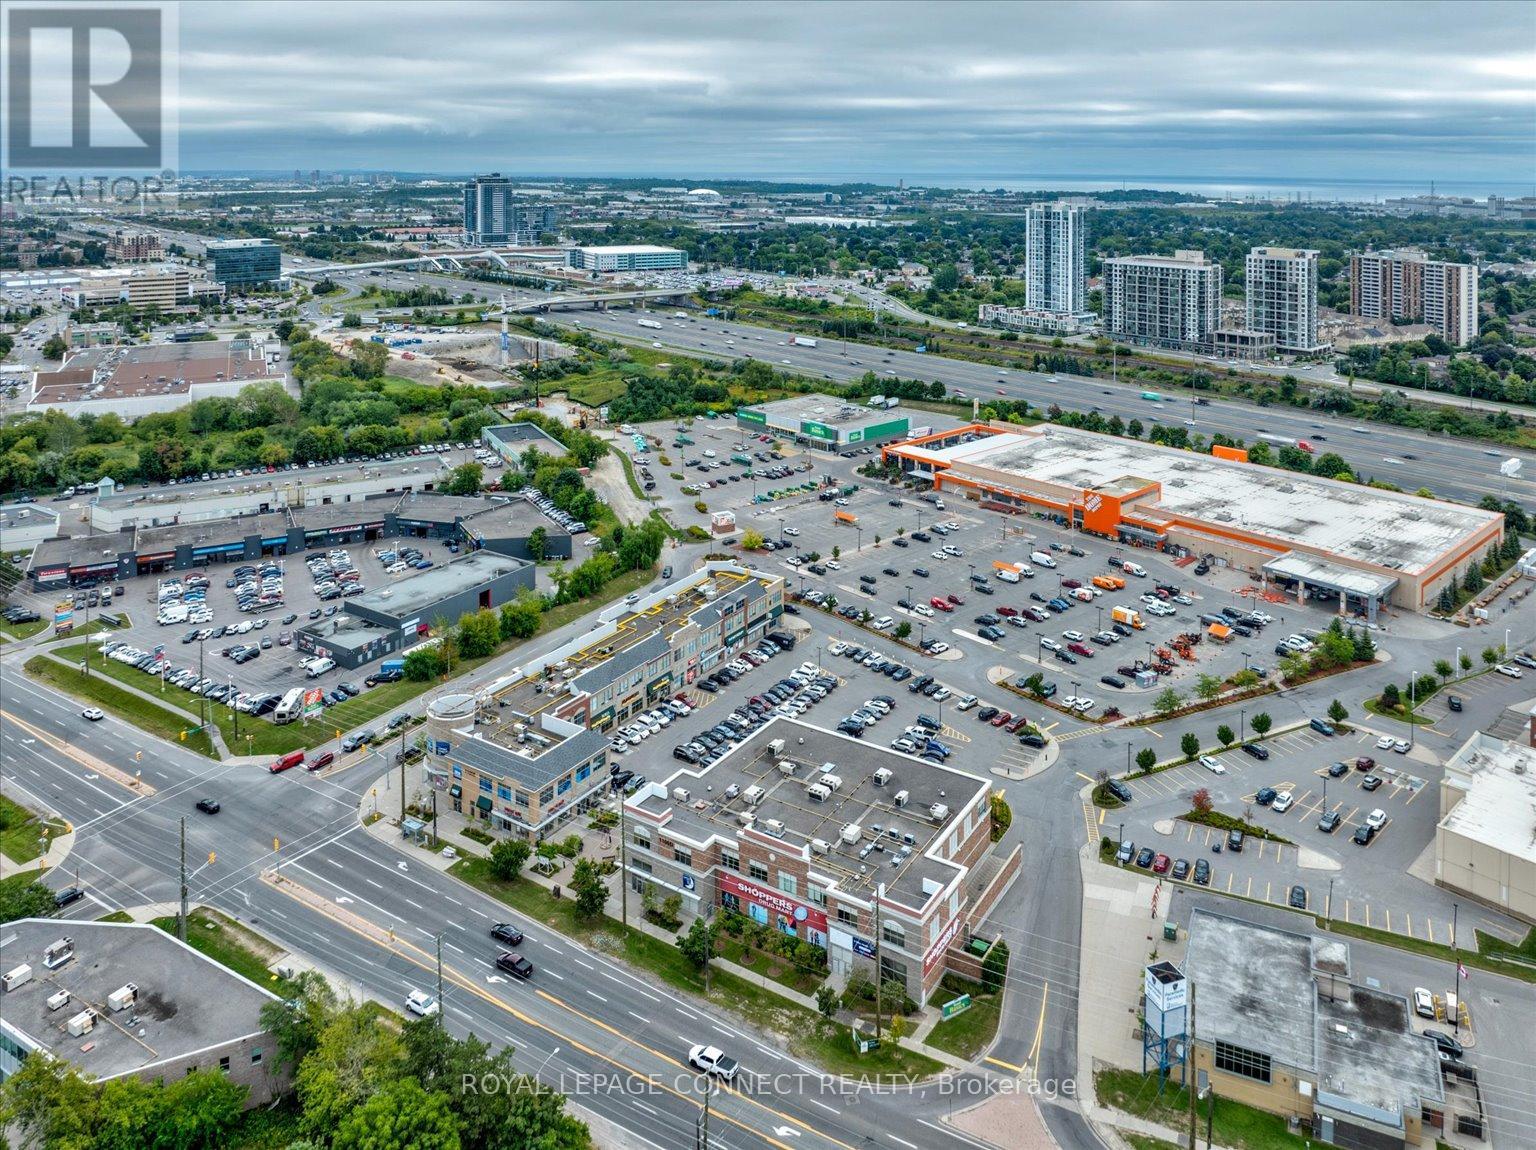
(902, 797)
(775, 747)
(753, 795)
(818, 793)
(882, 776)
(58, 953)
(746, 818)
(774, 827)
(122, 998)
(786, 767)
(938, 812)
(732, 791)
(831, 782)
(820, 846)
(852, 833)
(61, 999)
(17, 976)
(82, 1023)
(681, 794)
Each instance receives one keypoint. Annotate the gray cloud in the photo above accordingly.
(966, 91)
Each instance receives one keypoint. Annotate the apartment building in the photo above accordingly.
(135, 247)
(1281, 297)
(493, 216)
(1406, 286)
(1164, 301)
(882, 859)
(1055, 258)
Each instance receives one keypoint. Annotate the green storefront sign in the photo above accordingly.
(856, 436)
(749, 416)
(888, 429)
(955, 1006)
(817, 430)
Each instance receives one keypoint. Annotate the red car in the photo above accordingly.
(1017, 725)
(1073, 583)
(941, 604)
(1364, 763)
(1000, 718)
(1161, 864)
(1007, 611)
(955, 599)
(1080, 649)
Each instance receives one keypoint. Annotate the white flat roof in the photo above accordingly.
(1499, 809)
(628, 249)
(1362, 524)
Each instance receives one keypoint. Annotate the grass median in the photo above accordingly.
(102, 692)
(229, 944)
(805, 1033)
(1494, 955)
(969, 1033)
(1233, 1124)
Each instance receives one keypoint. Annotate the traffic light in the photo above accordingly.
(275, 844)
(211, 856)
(183, 735)
(138, 756)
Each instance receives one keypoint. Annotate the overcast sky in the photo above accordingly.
(968, 92)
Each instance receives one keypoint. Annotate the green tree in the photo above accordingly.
(994, 968)
(508, 857)
(353, 1058)
(298, 1021)
(751, 540)
(1225, 735)
(826, 1001)
(1245, 678)
(1444, 669)
(49, 1104)
(478, 634)
(538, 544)
(54, 347)
(368, 359)
(1146, 759)
(698, 945)
(1189, 743)
(1446, 603)
(1337, 711)
(903, 629)
(589, 889)
(1465, 662)
(1490, 656)
(423, 664)
(401, 1116)
(20, 898)
(465, 479)
(352, 319)
(1208, 686)
(1365, 646)
(1168, 700)
(1261, 723)
(1391, 698)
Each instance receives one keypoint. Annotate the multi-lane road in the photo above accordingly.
(1460, 469)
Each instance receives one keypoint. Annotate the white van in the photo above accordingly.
(1134, 569)
(1007, 575)
(317, 667)
(172, 613)
(1042, 558)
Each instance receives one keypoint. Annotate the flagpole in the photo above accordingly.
(1456, 971)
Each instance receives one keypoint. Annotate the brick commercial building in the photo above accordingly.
(1356, 545)
(875, 856)
(1407, 286)
(135, 1001)
(1485, 842)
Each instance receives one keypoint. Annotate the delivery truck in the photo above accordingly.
(801, 341)
(653, 323)
(1127, 615)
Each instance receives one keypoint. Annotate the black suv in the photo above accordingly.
(514, 964)
(507, 933)
(1118, 789)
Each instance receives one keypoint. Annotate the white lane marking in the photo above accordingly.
(824, 1106)
(642, 1018)
(597, 996)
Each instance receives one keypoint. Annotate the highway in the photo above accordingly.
(1460, 469)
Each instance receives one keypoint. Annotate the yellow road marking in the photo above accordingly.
(1004, 1065)
(1085, 778)
(1045, 994)
(1102, 813)
(1153, 731)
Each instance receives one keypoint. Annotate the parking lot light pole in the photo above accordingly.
(1100, 610)
(1242, 715)
(1328, 909)
(1245, 660)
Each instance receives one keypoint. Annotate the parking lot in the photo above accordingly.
(1289, 794)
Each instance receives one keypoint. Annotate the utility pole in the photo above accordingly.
(623, 871)
(181, 922)
(440, 983)
(879, 981)
(402, 789)
(1189, 1065)
(1455, 969)
(434, 818)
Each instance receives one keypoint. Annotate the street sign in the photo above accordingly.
(955, 1006)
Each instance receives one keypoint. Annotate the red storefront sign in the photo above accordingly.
(936, 951)
(773, 900)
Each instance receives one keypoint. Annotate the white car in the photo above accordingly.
(1384, 743)
(1401, 746)
(94, 714)
(966, 703)
(1214, 765)
(941, 694)
(1069, 701)
(1423, 1003)
(395, 568)
(1376, 819)
(1512, 672)
(1084, 705)
(833, 564)
(938, 648)
(712, 1060)
(1183, 600)
(1283, 802)
(1050, 644)
(791, 531)
(940, 555)
(837, 648)
(422, 1004)
(1072, 636)
(922, 609)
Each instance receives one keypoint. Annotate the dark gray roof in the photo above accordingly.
(186, 1002)
(497, 761)
(420, 592)
(620, 663)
